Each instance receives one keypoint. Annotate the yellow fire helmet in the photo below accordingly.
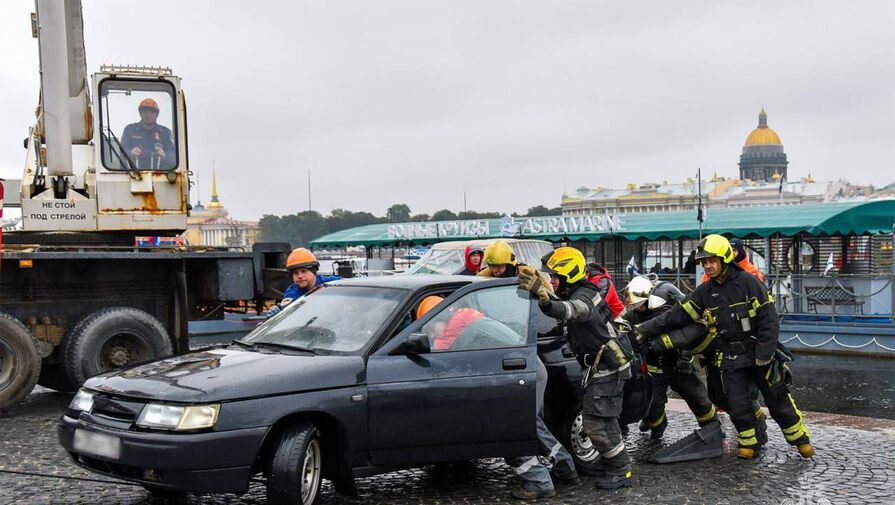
(566, 262)
(715, 245)
(499, 253)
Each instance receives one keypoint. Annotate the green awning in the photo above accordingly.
(836, 218)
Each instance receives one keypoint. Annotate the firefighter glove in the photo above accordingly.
(530, 281)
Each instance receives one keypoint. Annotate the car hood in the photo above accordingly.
(228, 374)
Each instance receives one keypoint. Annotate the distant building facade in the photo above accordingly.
(210, 225)
(763, 170)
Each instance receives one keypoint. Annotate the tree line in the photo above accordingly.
(301, 228)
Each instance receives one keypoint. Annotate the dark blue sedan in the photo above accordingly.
(343, 383)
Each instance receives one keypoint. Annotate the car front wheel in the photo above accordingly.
(294, 470)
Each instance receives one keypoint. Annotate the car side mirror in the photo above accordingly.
(416, 343)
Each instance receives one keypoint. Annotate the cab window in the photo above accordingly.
(484, 319)
(138, 125)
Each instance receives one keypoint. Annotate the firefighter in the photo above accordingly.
(499, 261)
(669, 368)
(744, 336)
(742, 259)
(605, 358)
(303, 265)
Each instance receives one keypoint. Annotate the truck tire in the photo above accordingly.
(110, 339)
(19, 361)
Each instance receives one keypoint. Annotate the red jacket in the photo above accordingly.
(455, 327)
(599, 276)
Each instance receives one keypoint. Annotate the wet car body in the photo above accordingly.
(382, 406)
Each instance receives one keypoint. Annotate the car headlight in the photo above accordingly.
(83, 401)
(178, 418)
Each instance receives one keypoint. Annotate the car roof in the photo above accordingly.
(412, 282)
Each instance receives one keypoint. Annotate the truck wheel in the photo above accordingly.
(19, 361)
(112, 338)
(295, 469)
(579, 445)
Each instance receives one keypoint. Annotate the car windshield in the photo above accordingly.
(445, 262)
(334, 319)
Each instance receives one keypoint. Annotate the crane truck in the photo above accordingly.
(98, 277)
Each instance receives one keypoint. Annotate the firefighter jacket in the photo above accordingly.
(592, 337)
(739, 312)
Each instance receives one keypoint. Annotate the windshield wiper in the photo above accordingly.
(247, 345)
(277, 345)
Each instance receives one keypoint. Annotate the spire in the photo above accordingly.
(762, 118)
(214, 185)
(214, 203)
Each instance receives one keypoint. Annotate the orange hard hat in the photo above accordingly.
(427, 304)
(149, 103)
(301, 258)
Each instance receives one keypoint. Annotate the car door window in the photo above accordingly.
(483, 319)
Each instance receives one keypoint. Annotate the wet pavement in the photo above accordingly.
(853, 465)
(858, 386)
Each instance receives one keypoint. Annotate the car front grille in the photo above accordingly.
(116, 409)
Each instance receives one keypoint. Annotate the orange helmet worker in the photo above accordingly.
(148, 103)
(301, 258)
(427, 304)
(303, 265)
(149, 144)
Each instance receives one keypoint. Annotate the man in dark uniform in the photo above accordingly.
(149, 144)
(604, 357)
(669, 368)
(744, 336)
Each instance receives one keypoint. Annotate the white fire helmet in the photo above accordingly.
(638, 292)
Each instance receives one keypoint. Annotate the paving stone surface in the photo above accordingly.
(854, 464)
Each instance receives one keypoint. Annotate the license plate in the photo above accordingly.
(97, 444)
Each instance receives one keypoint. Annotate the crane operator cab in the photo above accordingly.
(129, 171)
(137, 137)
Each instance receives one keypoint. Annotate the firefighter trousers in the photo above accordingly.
(601, 406)
(682, 378)
(738, 385)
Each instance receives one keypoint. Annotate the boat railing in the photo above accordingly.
(834, 297)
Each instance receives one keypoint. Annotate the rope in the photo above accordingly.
(833, 339)
(87, 479)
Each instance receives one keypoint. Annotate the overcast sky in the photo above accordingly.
(511, 101)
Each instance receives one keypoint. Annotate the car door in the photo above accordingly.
(472, 396)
